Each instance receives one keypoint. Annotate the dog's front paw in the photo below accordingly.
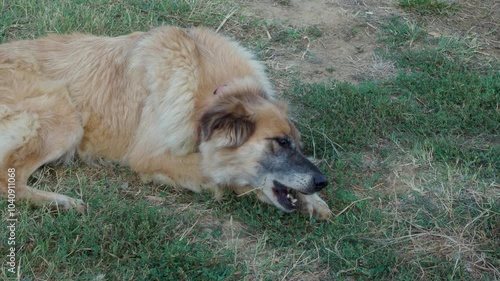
(314, 206)
(67, 203)
(79, 206)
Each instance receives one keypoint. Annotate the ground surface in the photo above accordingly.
(345, 50)
(381, 94)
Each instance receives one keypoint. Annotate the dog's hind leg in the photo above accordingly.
(31, 138)
(21, 171)
(14, 129)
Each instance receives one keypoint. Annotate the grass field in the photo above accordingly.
(414, 161)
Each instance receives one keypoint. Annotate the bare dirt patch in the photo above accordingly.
(476, 20)
(344, 51)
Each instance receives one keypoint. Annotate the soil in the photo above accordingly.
(345, 50)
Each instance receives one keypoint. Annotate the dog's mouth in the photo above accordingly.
(285, 196)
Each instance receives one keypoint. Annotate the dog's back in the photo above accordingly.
(118, 82)
(94, 69)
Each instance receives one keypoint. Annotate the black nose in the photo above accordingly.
(320, 182)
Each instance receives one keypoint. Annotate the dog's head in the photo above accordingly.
(247, 139)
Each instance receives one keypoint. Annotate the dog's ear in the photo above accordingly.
(229, 120)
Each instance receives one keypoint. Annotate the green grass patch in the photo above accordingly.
(429, 7)
(396, 32)
(123, 238)
(439, 99)
(32, 18)
(290, 34)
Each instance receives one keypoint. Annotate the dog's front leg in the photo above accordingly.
(176, 171)
(313, 205)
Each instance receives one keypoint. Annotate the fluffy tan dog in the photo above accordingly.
(184, 107)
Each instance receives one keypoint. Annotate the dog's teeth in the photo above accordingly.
(288, 196)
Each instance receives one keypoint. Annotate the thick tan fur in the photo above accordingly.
(138, 100)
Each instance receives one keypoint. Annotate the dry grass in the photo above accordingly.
(458, 240)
